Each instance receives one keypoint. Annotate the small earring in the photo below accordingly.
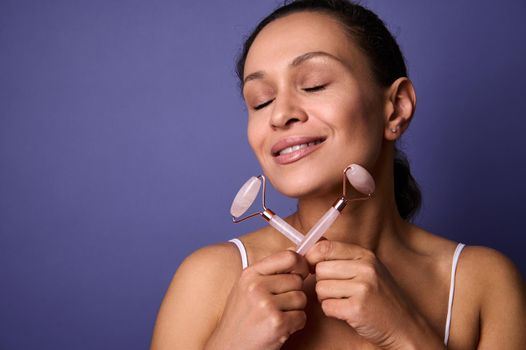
(394, 130)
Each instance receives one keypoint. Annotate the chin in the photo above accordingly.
(318, 175)
(307, 185)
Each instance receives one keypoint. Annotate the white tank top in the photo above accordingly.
(244, 263)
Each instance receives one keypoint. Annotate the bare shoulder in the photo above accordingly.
(489, 310)
(208, 262)
(479, 261)
(495, 288)
(485, 269)
(209, 270)
(196, 297)
(490, 271)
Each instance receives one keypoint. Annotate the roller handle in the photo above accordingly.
(317, 231)
(287, 230)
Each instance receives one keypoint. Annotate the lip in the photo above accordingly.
(298, 154)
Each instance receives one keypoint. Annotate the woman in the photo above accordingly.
(328, 77)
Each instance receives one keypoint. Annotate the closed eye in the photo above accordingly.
(263, 105)
(315, 88)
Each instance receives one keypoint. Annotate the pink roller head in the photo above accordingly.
(245, 196)
(360, 179)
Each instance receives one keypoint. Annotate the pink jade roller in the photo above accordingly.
(362, 181)
(247, 195)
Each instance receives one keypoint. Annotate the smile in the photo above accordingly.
(298, 147)
(295, 148)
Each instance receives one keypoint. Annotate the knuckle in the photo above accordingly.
(283, 339)
(297, 281)
(276, 320)
(247, 275)
(304, 300)
(326, 306)
(291, 258)
(319, 268)
(320, 287)
(265, 304)
(303, 316)
(325, 247)
(253, 286)
(302, 320)
(300, 299)
(369, 255)
(363, 288)
(369, 272)
(358, 310)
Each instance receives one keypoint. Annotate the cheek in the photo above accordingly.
(358, 128)
(370, 135)
(255, 137)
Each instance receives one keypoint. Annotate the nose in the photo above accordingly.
(287, 111)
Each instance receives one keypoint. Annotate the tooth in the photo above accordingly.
(298, 147)
(286, 150)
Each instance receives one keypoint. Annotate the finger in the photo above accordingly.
(283, 324)
(295, 300)
(337, 308)
(283, 262)
(334, 289)
(338, 269)
(296, 320)
(282, 283)
(334, 250)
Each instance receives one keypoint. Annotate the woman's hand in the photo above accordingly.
(265, 306)
(354, 286)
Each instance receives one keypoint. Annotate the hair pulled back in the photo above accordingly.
(386, 61)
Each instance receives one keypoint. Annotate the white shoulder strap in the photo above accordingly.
(242, 251)
(454, 264)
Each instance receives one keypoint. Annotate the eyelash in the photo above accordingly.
(310, 89)
(315, 88)
(263, 105)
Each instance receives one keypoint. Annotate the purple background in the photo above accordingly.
(122, 143)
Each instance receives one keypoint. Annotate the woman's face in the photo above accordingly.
(313, 104)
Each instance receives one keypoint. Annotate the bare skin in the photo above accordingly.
(377, 281)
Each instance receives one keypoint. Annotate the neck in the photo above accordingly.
(368, 223)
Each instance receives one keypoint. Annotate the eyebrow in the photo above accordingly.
(295, 62)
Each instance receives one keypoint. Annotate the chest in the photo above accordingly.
(325, 333)
(322, 332)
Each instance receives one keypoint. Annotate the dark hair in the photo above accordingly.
(386, 62)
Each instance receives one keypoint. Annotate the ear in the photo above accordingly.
(401, 105)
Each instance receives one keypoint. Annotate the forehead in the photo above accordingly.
(285, 38)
